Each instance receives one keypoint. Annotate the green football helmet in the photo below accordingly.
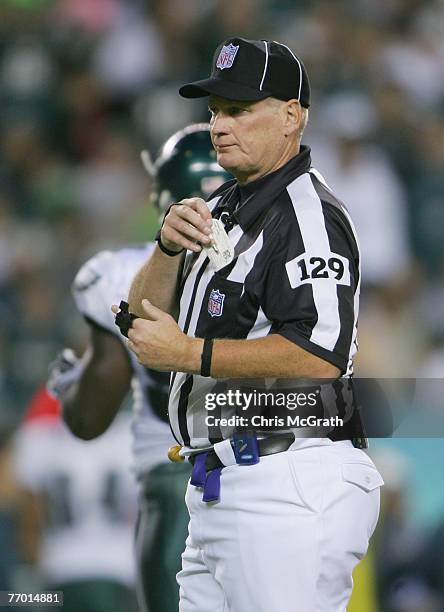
(187, 167)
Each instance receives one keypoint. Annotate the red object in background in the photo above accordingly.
(93, 16)
(42, 406)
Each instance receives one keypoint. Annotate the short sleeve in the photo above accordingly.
(92, 290)
(104, 280)
(312, 284)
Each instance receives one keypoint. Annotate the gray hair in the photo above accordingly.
(304, 121)
(304, 117)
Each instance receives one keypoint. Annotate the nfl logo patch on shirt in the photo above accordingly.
(226, 56)
(216, 303)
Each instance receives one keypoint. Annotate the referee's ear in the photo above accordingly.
(293, 117)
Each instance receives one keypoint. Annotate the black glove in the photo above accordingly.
(124, 318)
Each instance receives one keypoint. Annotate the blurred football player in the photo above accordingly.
(92, 388)
(79, 504)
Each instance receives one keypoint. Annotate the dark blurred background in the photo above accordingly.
(86, 84)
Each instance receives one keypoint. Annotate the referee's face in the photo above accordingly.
(253, 139)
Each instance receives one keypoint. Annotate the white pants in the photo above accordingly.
(285, 535)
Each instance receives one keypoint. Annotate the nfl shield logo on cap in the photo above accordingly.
(216, 303)
(226, 56)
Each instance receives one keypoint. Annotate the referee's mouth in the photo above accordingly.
(220, 147)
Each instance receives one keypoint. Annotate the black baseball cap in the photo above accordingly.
(253, 70)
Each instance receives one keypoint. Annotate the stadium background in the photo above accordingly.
(86, 84)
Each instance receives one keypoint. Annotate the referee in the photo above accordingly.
(286, 532)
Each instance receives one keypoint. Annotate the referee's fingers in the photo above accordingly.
(192, 216)
(131, 345)
(154, 313)
(177, 238)
(185, 228)
(199, 205)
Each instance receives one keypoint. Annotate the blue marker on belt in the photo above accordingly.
(246, 447)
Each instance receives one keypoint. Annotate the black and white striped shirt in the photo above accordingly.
(296, 272)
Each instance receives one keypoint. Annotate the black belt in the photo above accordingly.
(277, 443)
(267, 446)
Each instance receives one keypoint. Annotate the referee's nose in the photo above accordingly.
(219, 125)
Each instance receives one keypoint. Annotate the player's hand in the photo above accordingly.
(187, 223)
(63, 372)
(160, 344)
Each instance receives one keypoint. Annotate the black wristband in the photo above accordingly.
(163, 248)
(207, 351)
(158, 239)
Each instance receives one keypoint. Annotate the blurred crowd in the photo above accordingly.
(86, 84)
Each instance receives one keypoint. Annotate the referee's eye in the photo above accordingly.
(235, 110)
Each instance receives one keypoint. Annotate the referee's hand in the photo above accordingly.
(160, 344)
(187, 223)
